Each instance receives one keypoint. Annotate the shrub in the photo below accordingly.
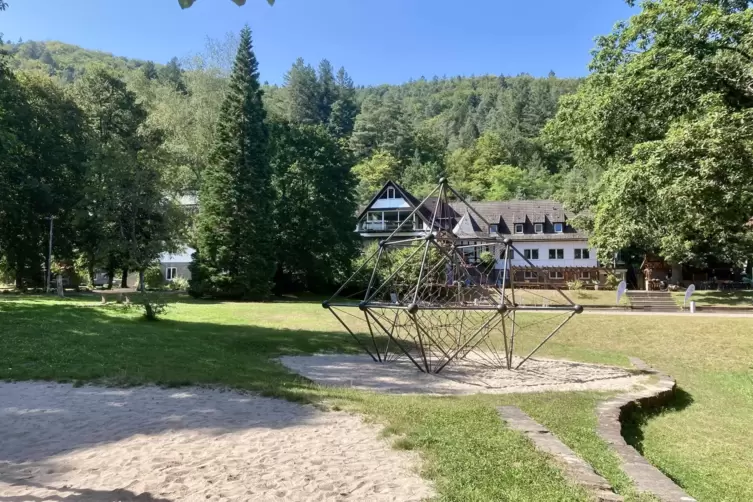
(153, 278)
(611, 282)
(178, 284)
(154, 305)
(575, 285)
(487, 258)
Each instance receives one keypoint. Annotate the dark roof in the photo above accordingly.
(505, 214)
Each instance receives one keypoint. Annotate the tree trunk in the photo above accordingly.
(141, 281)
(90, 271)
(676, 273)
(19, 275)
(59, 284)
(110, 276)
(124, 278)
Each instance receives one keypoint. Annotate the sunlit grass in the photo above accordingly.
(703, 444)
(717, 298)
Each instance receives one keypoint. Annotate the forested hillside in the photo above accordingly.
(657, 142)
(482, 131)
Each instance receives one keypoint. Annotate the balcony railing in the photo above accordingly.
(388, 226)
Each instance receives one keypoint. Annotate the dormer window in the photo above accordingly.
(493, 229)
(518, 228)
(390, 192)
(538, 228)
(558, 227)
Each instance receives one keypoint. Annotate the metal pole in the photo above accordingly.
(49, 257)
(394, 339)
(545, 340)
(353, 335)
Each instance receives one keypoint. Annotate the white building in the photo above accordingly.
(540, 230)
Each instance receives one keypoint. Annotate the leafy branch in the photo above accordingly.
(184, 4)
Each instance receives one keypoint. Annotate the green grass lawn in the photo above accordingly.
(583, 297)
(718, 298)
(702, 442)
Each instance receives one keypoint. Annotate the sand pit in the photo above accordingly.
(58, 442)
(461, 377)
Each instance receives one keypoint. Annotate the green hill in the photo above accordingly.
(64, 60)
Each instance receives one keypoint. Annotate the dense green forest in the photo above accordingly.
(482, 132)
(655, 142)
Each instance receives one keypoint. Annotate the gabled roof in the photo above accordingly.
(469, 223)
(467, 227)
(446, 215)
(508, 213)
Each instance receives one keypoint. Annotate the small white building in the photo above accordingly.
(176, 265)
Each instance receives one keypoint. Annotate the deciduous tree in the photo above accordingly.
(666, 113)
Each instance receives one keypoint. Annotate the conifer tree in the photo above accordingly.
(235, 256)
(344, 110)
(327, 90)
(303, 94)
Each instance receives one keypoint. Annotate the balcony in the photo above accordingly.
(388, 226)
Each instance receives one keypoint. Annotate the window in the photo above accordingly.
(390, 193)
(493, 229)
(585, 275)
(531, 254)
(518, 228)
(555, 274)
(528, 274)
(582, 254)
(556, 254)
(538, 228)
(171, 273)
(558, 227)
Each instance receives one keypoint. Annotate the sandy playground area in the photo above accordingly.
(58, 442)
(467, 376)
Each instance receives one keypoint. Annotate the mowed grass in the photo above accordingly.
(703, 443)
(583, 297)
(718, 298)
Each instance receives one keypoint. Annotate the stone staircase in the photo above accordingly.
(655, 301)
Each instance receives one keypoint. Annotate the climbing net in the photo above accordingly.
(436, 298)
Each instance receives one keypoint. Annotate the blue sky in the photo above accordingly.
(378, 41)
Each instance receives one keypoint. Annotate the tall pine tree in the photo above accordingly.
(303, 94)
(345, 109)
(235, 255)
(327, 90)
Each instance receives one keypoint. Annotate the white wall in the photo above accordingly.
(544, 246)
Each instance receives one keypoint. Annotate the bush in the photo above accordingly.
(487, 258)
(154, 305)
(575, 285)
(611, 282)
(178, 284)
(153, 278)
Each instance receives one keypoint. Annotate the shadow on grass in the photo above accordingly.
(68, 342)
(81, 343)
(725, 298)
(633, 423)
(118, 495)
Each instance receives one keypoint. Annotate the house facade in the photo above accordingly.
(551, 250)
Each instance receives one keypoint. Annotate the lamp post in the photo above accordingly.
(49, 255)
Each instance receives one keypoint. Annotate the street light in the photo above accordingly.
(49, 255)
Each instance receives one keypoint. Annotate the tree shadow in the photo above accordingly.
(79, 494)
(637, 418)
(70, 343)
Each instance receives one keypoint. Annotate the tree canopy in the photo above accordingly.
(666, 116)
(184, 4)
